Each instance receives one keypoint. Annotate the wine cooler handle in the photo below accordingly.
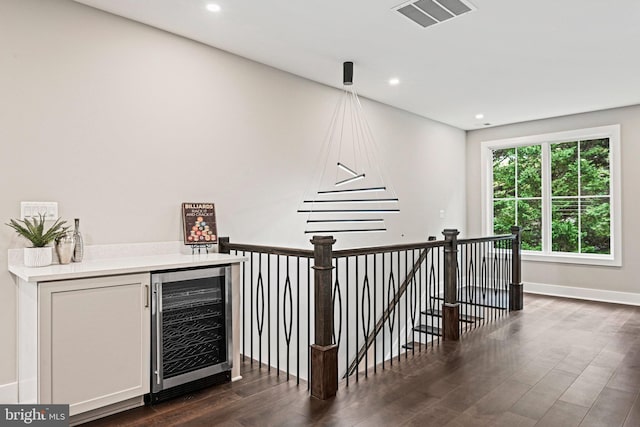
(158, 296)
(146, 296)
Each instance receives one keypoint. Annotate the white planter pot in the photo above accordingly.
(38, 257)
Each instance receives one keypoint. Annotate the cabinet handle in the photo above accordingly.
(158, 306)
(146, 296)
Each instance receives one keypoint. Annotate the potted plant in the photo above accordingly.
(39, 255)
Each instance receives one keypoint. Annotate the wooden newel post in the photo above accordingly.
(515, 287)
(324, 354)
(451, 307)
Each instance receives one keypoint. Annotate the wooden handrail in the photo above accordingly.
(226, 246)
(343, 253)
(496, 238)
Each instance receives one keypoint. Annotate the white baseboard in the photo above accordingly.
(627, 298)
(9, 393)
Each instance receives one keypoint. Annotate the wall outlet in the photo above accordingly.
(442, 215)
(33, 209)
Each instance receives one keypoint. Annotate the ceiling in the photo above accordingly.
(511, 60)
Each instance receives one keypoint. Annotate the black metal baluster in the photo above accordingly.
(346, 269)
(287, 330)
(505, 268)
(375, 291)
(486, 277)
(384, 307)
(505, 300)
(420, 293)
(269, 312)
(478, 277)
(251, 306)
(503, 272)
(420, 297)
(465, 306)
(498, 270)
(309, 322)
(494, 281)
(406, 303)
(490, 281)
(356, 304)
(367, 330)
(469, 261)
(251, 267)
(391, 319)
(412, 298)
(483, 274)
(260, 312)
(396, 301)
(464, 302)
(473, 285)
(505, 285)
(440, 281)
(481, 265)
(431, 284)
(298, 320)
(278, 315)
(337, 293)
(244, 304)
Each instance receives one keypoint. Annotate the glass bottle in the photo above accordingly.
(78, 251)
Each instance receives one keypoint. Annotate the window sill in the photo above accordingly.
(584, 259)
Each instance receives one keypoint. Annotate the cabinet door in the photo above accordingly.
(94, 341)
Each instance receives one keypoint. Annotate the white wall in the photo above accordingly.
(618, 279)
(120, 123)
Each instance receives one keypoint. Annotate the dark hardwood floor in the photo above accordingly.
(559, 362)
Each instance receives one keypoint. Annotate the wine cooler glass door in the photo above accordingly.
(192, 325)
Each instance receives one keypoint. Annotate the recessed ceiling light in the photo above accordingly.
(479, 116)
(394, 81)
(212, 7)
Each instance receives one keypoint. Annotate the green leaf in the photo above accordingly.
(33, 230)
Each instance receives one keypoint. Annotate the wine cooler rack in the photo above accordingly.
(193, 333)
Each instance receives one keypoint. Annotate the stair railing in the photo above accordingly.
(370, 339)
(356, 310)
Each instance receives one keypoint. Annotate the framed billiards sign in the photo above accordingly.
(199, 223)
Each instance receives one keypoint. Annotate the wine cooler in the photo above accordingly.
(191, 330)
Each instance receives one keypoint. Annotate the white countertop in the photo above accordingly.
(122, 265)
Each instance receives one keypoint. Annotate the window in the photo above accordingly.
(562, 189)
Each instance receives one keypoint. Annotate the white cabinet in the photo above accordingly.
(92, 341)
(84, 328)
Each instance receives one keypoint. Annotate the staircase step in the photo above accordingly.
(428, 329)
(463, 317)
(482, 297)
(429, 312)
(412, 345)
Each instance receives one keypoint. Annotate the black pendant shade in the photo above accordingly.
(347, 72)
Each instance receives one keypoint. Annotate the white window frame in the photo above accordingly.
(546, 255)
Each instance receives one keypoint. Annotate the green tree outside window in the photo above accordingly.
(579, 195)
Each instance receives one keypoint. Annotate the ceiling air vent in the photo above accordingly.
(430, 12)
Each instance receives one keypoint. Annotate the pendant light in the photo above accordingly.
(350, 194)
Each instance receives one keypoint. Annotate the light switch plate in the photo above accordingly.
(33, 209)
